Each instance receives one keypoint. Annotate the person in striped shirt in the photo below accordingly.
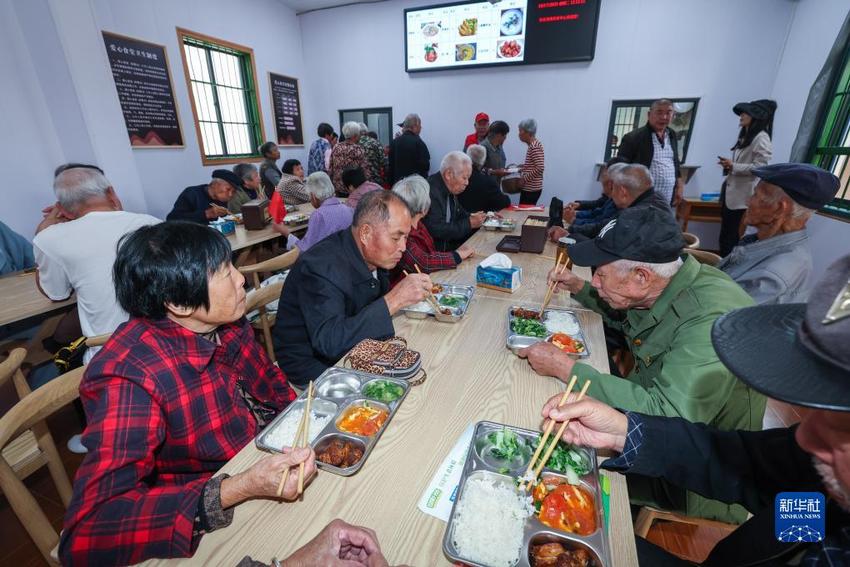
(531, 181)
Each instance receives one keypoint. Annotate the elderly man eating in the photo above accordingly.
(795, 353)
(338, 293)
(176, 392)
(774, 265)
(447, 221)
(665, 308)
(203, 203)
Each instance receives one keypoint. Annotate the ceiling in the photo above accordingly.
(303, 6)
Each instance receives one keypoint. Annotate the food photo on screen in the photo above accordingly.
(431, 52)
(465, 52)
(510, 49)
(511, 21)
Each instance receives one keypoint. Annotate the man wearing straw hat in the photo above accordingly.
(664, 306)
(792, 352)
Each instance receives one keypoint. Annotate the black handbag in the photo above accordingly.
(556, 213)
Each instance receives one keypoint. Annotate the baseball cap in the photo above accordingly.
(644, 234)
(810, 186)
(794, 352)
(481, 116)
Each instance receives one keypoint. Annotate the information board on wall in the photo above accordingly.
(508, 32)
(140, 71)
(286, 103)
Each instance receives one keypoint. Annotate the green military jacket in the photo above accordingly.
(677, 372)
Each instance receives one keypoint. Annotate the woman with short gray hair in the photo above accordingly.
(531, 179)
(421, 252)
(346, 154)
(331, 214)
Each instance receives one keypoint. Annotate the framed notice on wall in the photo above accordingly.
(286, 103)
(140, 71)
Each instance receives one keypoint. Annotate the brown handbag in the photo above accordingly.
(389, 358)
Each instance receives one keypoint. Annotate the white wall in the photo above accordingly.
(813, 31)
(644, 49)
(59, 101)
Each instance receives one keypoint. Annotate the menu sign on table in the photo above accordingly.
(145, 92)
(286, 103)
(508, 32)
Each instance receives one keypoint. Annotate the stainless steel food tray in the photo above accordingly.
(336, 390)
(534, 532)
(505, 225)
(515, 341)
(467, 291)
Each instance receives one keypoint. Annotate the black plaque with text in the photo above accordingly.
(140, 71)
(286, 103)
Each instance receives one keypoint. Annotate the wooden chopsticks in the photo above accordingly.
(431, 299)
(302, 439)
(558, 271)
(530, 481)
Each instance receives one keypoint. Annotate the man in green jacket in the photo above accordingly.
(664, 306)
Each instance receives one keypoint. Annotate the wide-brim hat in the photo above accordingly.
(796, 353)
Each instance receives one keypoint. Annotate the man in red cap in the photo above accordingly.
(482, 125)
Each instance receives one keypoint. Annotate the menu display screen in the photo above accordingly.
(506, 32)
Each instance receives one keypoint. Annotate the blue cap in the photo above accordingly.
(810, 186)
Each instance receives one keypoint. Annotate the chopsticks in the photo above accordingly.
(527, 482)
(302, 439)
(559, 270)
(431, 299)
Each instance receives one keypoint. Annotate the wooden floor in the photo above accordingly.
(17, 549)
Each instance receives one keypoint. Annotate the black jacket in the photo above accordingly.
(448, 235)
(329, 303)
(483, 194)
(636, 147)
(192, 203)
(646, 199)
(594, 204)
(743, 467)
(408, 155)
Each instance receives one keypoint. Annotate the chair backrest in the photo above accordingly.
(281, 262)
(263, 296)
(691, 240)
(11, 368)
(30, 413)
(99, 340)
(704, 256)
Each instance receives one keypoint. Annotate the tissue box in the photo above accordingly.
(500, 279)
(224, 226)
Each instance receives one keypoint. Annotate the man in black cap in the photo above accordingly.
(664, 306)
(203, 203)
(774, 265)
(796, 353)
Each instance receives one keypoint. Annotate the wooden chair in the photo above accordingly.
(255, 301)
(648, 515)
(27, 445)
(691, 240)
(258, 299)
(97, 341)
(704, 256)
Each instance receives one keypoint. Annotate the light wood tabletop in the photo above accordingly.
(20, 298)
(246, 238)
(472, 376)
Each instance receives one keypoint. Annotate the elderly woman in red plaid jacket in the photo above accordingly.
(177, 391)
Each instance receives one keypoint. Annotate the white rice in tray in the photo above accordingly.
(422, 306)
(489, 522)
(562, 322)
(283, 433)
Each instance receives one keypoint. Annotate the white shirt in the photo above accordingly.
(77, 256)
(663, 168)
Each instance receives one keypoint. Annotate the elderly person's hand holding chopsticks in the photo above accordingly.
(566, 280)
(548, 360)
(591, 422)
(261, 479)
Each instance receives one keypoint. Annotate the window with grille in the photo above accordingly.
(222, 85)
(832, 147)
(627, 115)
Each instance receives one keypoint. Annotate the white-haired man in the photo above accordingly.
(665, 308)
(408, 153)
(331, 214)
(447, 221)
(374, 155)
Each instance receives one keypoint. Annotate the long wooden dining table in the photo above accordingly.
(472, 376)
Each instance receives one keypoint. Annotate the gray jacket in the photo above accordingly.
(775, 270)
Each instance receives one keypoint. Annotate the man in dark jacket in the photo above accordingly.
(631, 187)
(483, 192)
(655, 146)
(792, 352)
(203, 203)
(408, 153)
(447, 221)
(337, 293)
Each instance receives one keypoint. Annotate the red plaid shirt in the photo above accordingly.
(422, 252)
(165, 411)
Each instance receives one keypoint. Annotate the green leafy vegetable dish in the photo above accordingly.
(506, 444)
(383, 391)
(529, 328)
(451, 300)
(567, 460)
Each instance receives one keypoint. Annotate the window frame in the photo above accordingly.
(374, 110)
(833, 126)
(615, 104)
(253, 110)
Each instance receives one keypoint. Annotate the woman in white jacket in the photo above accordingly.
(753, 149)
